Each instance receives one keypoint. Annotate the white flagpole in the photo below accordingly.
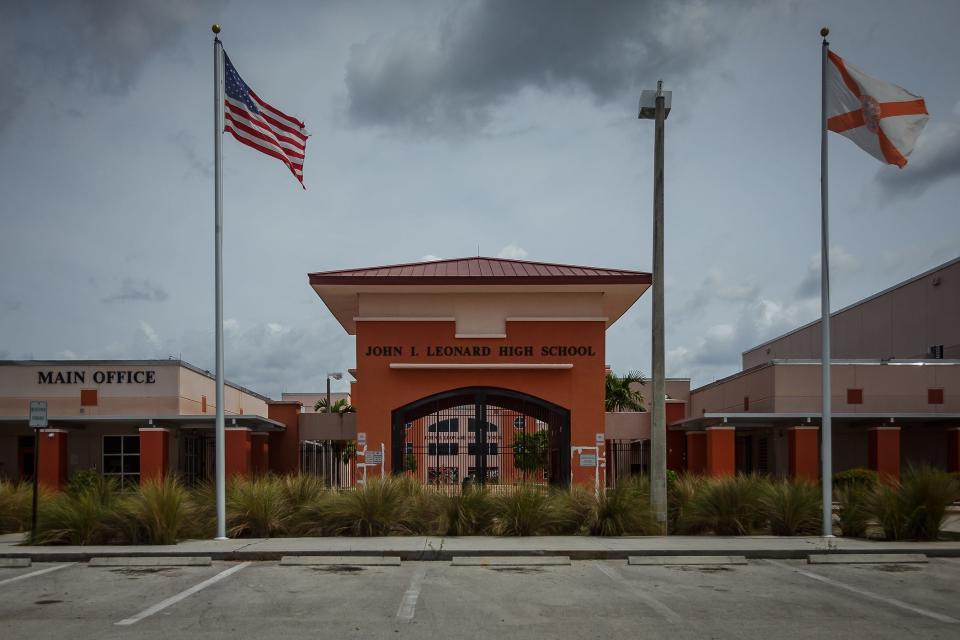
(826, 448)
(218, 270)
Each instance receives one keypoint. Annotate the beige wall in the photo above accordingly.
(481, 313)
(175, 390)
(902, 322)
(787, 388)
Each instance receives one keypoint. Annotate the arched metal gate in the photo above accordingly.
(482, 435)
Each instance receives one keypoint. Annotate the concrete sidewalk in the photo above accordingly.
(444, 548)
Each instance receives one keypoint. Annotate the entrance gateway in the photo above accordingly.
(480, 370)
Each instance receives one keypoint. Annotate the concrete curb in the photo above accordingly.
(665, 561)
(150, 561)
(868, 558)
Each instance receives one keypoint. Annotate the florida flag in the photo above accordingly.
(883, 119)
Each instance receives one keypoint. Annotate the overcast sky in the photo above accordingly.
(439, 129)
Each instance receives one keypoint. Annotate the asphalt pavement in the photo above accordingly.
(584, 599)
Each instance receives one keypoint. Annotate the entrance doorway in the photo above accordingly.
(482, 435)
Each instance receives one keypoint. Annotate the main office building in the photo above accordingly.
(492, 371)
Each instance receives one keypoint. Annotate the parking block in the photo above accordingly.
(151, 561)
(510, 561)
(866, 558)
(665, 561)
(340, 561)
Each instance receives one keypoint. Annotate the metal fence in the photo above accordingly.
(625, 459)
(333, 460)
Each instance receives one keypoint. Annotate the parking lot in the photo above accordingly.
(587, 599)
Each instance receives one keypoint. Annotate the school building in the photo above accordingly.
(492, 371)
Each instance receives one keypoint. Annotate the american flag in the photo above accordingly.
(257, 124)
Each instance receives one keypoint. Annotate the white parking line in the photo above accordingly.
(652, 602)
(172, 600)
(37, 573)
(408, 606)
(868, 594)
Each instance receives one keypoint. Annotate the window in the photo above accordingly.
(854, 396)
(934, 396)
(442, 448)
(746, 403)
(409, 448)
(451, 425)
(487, 427)
(487, 448)
(88, 397)
(203, 404)
(121, 458)
(519, 422)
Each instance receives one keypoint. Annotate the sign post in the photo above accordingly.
(38, 420)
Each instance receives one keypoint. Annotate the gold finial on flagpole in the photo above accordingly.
(824, 32)
(215, 28)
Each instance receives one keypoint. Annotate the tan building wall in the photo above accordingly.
(795, 388)
(901, 322)
(309, 400)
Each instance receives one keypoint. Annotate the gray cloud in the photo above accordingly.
(840, 261)
(449, 79)
(186, 144)
(138, 290)
(97, 46)
(936, 158)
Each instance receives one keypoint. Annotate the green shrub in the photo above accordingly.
(625, 510)
(579, 508)
(300, 489)
(866, 478)
(469, 513)
(159, 511)
(16, 505)
(855, 509)
(375, 509)
(792, 507)
(89, 514)
(916, 507)
(729, 506)
(256, 507)
(680, 494)
(529, 510)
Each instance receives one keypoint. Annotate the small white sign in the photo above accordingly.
(374, 457)
(601, 438)
(588, 460)
(361, 438)
(38, 413)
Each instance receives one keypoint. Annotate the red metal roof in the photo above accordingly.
(480, 270)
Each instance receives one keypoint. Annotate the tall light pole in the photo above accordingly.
(656, 105)
(331, 376)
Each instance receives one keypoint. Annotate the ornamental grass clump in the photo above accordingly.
(855, 512)
(625, 510)
(88, 514)
(375, 509)
(470, 512)
(529, 510)
(158, 512)
(680, 493)
(792, 507)
(729, 506)
(16, 505)
(916, 507)
(256, 507)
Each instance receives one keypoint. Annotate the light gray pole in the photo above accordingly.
(658, 431)
(328, 394)
(218, 271)
(826, 448)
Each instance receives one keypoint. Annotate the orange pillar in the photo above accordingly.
(52, 472)
(154, 453)
(721, 452)
(953, 449)
(238, 451)
(284, 447)
(259, 452)
(804, 453)
(696, 452)
(884, 451)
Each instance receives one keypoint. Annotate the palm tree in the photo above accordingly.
(340, 406)
(619, 396)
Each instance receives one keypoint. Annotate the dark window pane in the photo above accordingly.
(131, 464)
(131, 444)
(112, 464)
(112, 444)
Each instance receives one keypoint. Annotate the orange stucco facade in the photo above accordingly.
(382, 386)
(804, 448)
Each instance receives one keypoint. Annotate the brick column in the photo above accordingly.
(804, 453)
(721, 451)
(884, 451)
(260, 452)
(238, 451)
(696, 452)
(953, 449)
(53, 459)
(154, 453)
